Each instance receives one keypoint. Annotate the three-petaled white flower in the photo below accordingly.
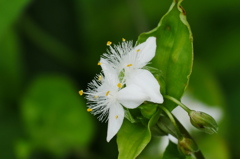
(106, 96)
(124, 82)
(129, 60)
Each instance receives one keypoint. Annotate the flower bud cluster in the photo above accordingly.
(187, 146)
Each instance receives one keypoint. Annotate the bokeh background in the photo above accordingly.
(49, 50)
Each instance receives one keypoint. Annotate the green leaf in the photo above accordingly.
(9, 11)
(174, 54)
(148, 109)
(132, 138)
(55, 116)
(172, 152)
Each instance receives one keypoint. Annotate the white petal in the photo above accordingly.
(109, 72)
(145, 80)
(147, 51)
(115, 120)
(132, 96)
(106, 67)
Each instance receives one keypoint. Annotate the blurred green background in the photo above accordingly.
(49, 50)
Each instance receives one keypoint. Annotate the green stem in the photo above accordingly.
(170, 116)
(178, 103)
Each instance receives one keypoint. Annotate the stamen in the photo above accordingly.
(80, 92)
(123, 39)
(116, 116)
(107, 93)
(89, 110)
(95, 97)
(109, 43)
(99, 63)
(129, 65)
(138, 50)
(119, 85)
(99, 78)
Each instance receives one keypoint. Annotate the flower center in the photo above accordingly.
(129, 65)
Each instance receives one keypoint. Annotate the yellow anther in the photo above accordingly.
(99, 63)
(123, 39)
(95, 96)
(138, 50)
(119, 85)
(107, 93)
(89, 110)
(129, 65)
(99, 78)
(116, 116)
(109, 43)
(80, 92)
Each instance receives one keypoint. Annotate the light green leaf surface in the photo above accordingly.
(132, 138)
(174, 54)
(55, 116)
(9, 11)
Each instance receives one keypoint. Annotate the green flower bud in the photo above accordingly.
(187, 146)
(203, 121)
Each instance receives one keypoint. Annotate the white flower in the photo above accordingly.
(123, 82)
(128, 61)
(106, 96)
